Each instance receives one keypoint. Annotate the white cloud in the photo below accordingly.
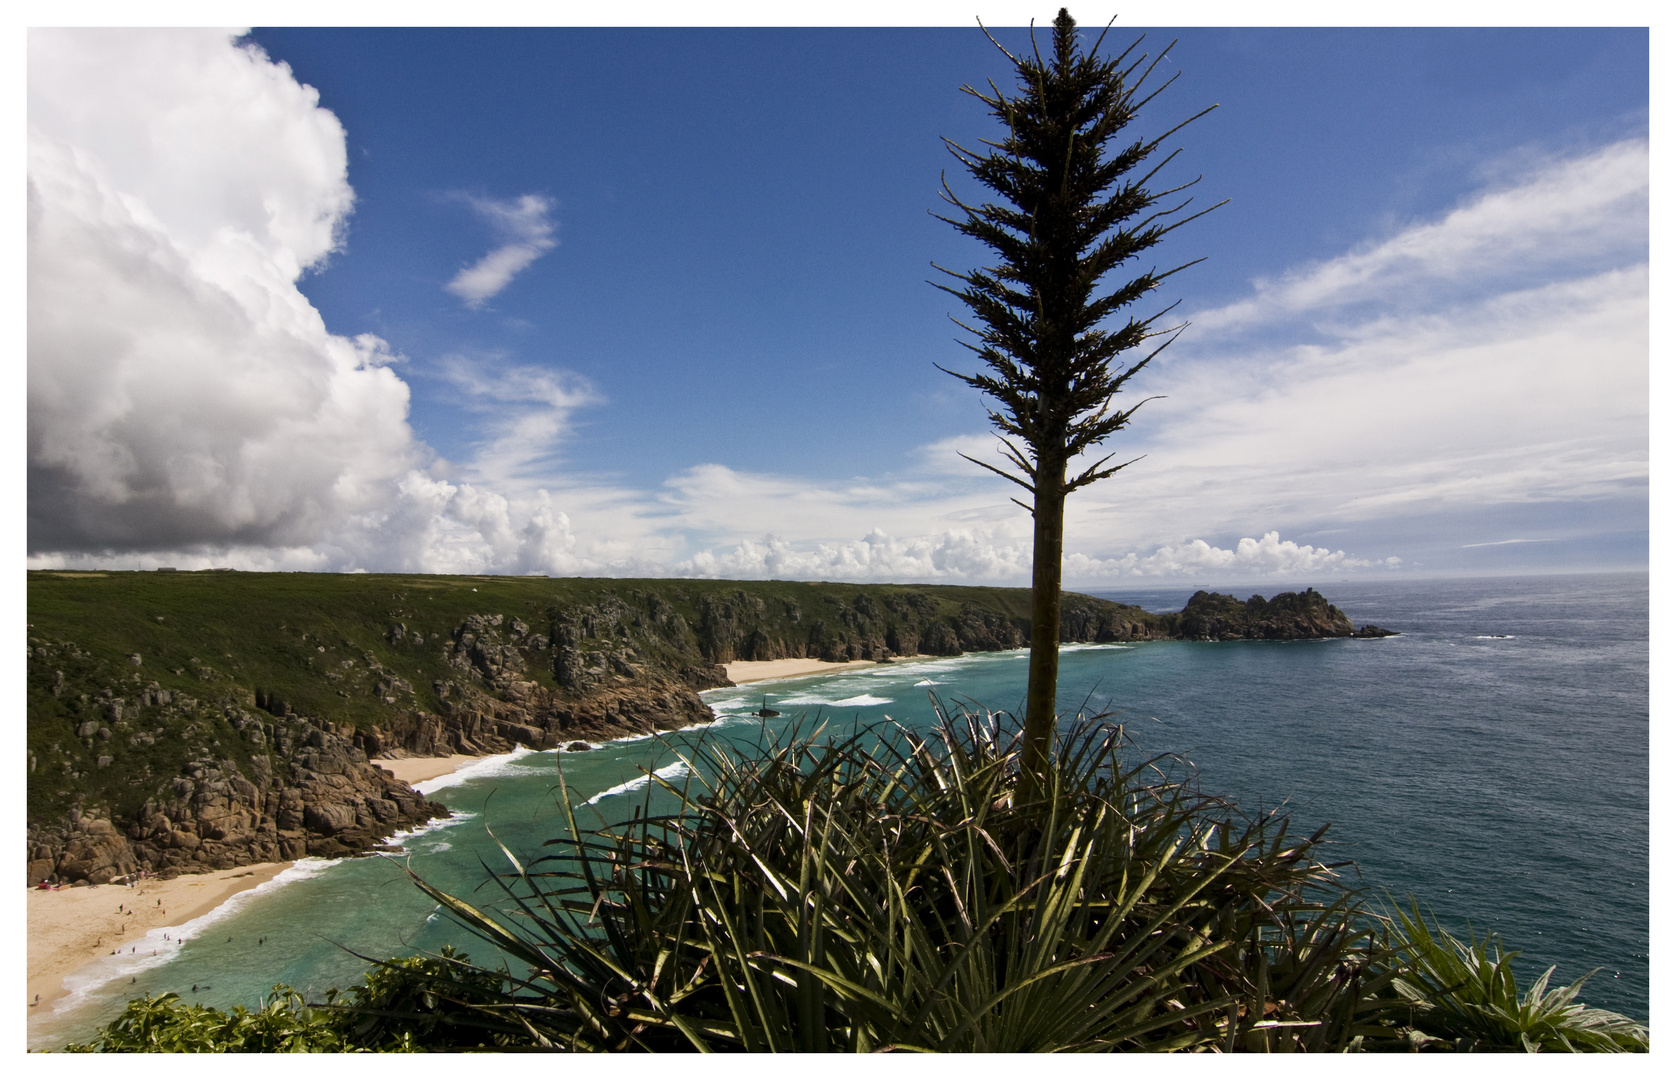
(954, 555)
(1268, 557)
(525, 412)
(181, 389)
(187, 405)
(1536, 396)
(1568, 211)
(527, 232)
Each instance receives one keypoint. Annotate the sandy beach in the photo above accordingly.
(70, 928)
(414, 770)
(749, 671)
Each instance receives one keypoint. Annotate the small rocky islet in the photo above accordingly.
(183, 722)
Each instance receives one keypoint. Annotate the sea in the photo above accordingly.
(1490, 761)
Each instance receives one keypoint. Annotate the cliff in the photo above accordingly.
(188, 721)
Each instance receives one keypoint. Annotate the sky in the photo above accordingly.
(658, 302)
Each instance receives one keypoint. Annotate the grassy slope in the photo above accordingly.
(215, 639)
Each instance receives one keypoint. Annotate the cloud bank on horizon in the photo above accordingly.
(188, 405)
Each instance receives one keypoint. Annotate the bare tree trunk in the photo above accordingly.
(1041, 699)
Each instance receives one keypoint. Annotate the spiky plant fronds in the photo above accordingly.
(885, 890)
(1464, 993)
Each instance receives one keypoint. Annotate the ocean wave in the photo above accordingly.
(625, 739)
(668, 772)
(494, 765)
(404, 838)
(859, 701)
(1492, 637)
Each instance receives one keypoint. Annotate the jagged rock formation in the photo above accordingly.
(1289, 616)
(196, 721)
(315, 793)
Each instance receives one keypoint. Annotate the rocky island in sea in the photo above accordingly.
(182, 722)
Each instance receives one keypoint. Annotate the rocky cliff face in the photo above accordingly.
(145, 755)
(307, 790)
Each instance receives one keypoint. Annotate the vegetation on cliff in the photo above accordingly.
(183, 721)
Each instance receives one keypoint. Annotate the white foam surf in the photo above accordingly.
(494, 765)
(859, 701)
(668, 772)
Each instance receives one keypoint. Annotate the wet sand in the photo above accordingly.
(70, 928)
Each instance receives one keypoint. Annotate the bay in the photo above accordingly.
(1492, 761)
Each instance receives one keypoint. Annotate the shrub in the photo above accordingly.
(884, 890)
(413, 1004)
(1464, 995)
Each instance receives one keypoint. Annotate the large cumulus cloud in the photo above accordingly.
(182, 391)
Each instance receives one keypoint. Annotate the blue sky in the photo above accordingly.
(655, 301)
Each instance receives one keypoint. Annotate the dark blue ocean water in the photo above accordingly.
(1492, 760)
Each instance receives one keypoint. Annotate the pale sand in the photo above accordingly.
(414, 770)
(70, 928)
(748, 671)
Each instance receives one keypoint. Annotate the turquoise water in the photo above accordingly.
(1492, 760)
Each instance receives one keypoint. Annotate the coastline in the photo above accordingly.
(750, 671)
(71, 928)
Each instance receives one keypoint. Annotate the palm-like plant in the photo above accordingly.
(1464, 993)
(883, 890)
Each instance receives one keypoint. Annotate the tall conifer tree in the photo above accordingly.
(1070, 212)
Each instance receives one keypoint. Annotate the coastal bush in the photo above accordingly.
(413, 1004)
(886, 891)
(163, 1024)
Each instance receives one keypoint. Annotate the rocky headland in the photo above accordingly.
(186, 722)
